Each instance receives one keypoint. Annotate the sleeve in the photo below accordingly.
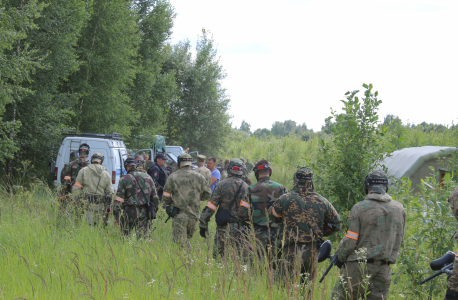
(79, 179)
(167, 193)
(332, 222)
(206, 191)
(245, 206)
(211, 207)
(350, 241)
(109, 187)
(275, 211)
(153, 196)
(120, 198)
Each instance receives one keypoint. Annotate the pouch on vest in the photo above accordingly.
(223, 216)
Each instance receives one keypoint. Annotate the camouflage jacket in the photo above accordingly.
(185, 189)
(63, 172)
(304, 217)
(148, 164)
(204, 171)
(71, 172)
(453, 200)
(377, 223)
(223, 175)
(93, 180)
(130, 189)
(261, 196)
(222, 196)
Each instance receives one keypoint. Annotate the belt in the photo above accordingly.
(381, 262)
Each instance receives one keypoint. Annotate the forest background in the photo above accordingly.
(108, 66)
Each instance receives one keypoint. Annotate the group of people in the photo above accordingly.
(263, 219)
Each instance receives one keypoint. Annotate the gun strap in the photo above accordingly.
(136, 183)
(233, 200)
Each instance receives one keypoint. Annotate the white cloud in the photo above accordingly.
(296, 59)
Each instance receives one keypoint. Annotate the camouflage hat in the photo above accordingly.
(235, 167)
(84, 149)
(201, 158)
(74, 155)
(376, 181)
(303, 174)
(184, 159)
(97, 157)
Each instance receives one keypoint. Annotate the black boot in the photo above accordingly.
(451, 295)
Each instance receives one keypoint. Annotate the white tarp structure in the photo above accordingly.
(414, 162)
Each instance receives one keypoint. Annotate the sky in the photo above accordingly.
(295, 60)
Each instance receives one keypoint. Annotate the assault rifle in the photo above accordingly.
(443, 264)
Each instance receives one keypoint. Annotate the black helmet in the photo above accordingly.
(262, 165)
(97, 157)
(376, 181)
(130, 161)
(84, 149)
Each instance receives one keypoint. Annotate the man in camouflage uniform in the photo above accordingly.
(375, 232)
(73, 155)
(304, 217)
(72, 170)
(261, 196)
(203, 170)
(220, 164)
(245, 176)
(135, 191)
(92, 186)
(452, 283)
(224, 172)
(224, 197)
(184, 190)
(249, 166)
(141, 166)
(148, 162)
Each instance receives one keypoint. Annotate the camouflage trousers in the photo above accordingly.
(183, 228)
(95, 213)
(452, 281)
(352, 284)
(134, 216)
(227, 236)
(298, 260)
(265, 240)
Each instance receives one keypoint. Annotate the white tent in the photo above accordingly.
(414, 163)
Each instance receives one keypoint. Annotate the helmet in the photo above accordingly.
(235, 167)
(130, 161)
(262, 165)
(84, 150)
(97, 157)
(303, 176)
(376, 181)
(184, 160)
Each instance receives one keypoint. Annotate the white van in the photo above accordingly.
(110, 145)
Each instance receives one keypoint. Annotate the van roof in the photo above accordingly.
(72, 133)
(112, 143)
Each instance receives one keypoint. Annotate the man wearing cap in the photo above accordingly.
(158, 173)
(226, 198)
(216, 175)
(135, 191)
(73, 168)
(202, 169)
(92, 185)
(377, 225)
(304, 218)
(73, 156)
(184, 190)
(261, 196)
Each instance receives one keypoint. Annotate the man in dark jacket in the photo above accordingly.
(158, 173)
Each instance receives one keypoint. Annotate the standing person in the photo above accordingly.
(73, 156)
(227, 197)
(184, 190)
(216, 175)
(224, 172)
(249, 166)
(261, 196)
(304, 217)
(73, 168)
(202, 169)
(376, 226)
(148, 162)
(135, 192)
(452, 282)
(245, 176)
(94, 183)
(158, 173)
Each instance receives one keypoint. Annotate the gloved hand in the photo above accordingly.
(339, 264)
(202, 232)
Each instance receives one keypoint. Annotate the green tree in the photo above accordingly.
(197, 116)
(245, 127)
(260, 133)
(343, 162)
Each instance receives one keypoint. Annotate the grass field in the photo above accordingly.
(45, 254)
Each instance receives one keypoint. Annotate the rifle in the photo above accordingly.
(443, 264)
(325, 253)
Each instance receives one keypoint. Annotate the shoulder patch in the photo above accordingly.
(155, 174)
